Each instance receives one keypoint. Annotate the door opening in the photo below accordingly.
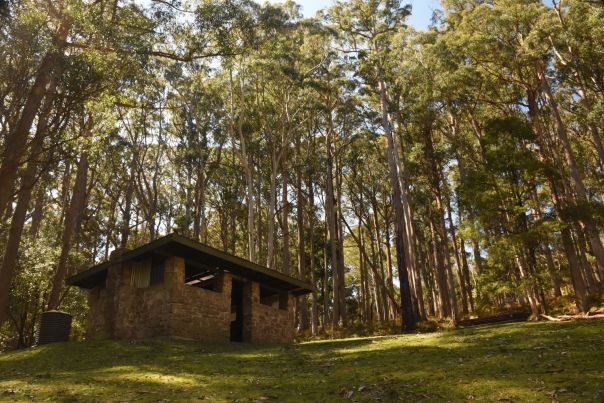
(237, 311)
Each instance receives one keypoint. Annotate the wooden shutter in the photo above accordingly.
(141, 274)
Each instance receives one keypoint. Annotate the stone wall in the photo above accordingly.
(96, 326)
(267, 323)
(174, 309)
(140, 312)
(197, 313)
(122, 311)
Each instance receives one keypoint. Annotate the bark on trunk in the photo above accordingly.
(575, 175)
(15, 145)
(559, 204)
(270, 250)
(410, 238)
(390, 277)
(284, 218)
(314, 313)
(38, 213)
(340, 250)
(125, 232)
(302, 301)
(408, 321)
(330, 215)
(458, 264)
(72, 222)
(11, 249)
(467, 274)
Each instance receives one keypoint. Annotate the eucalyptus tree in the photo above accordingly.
(331, 87)
(368, 29)
(576, 39)
(507, 181)
(54, 36)
(368, 200)
(79, 76)
(521, 34)
(74, 212)
(242, 139)
(196, 123)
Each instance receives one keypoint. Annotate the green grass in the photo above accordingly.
(513, 362)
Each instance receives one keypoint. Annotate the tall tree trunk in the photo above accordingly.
(575, 176)
(576, 277)
(271, 212)
(330, 215)
(446, 285)
(284, 219)
(559, 201)
(251, 208)
(300, 207)
(458, 264)
(389, 275)
(16, 142)
(466, 272)
(325, 289)
(553, 272)
(72, 222)
(38, 213)
(593, 286)
(580, 76)
(314, 314)
(529, 291)
(378, 253)
(472, 217)
(246, 163)
(549, 260)
(437, 301)
(199, 212)
(440, 273)
(28, 180)
(125, 230)
(379, 278)
(574, 264)
(363, 274)
(340, 240)
(408, 321)
(410, 238)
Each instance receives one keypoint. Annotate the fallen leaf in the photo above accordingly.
(346, 393)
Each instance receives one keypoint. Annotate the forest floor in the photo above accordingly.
(546, 361)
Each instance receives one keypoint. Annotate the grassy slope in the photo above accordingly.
(521, 362)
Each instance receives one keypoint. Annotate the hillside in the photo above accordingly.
(512, 362)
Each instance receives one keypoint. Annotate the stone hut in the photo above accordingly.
(178, 288)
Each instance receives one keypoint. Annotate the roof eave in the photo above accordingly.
(300, 287)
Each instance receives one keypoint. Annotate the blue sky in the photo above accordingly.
(420, 19)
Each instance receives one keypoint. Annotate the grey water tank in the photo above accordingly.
(54, 327)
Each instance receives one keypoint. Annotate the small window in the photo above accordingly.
(268, 297)
(141, 274)
(208, 280)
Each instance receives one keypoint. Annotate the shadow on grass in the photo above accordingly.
(519, 362)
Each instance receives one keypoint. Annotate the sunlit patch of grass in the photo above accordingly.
(513, 362)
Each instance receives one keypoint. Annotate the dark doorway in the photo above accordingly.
(237, 311)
